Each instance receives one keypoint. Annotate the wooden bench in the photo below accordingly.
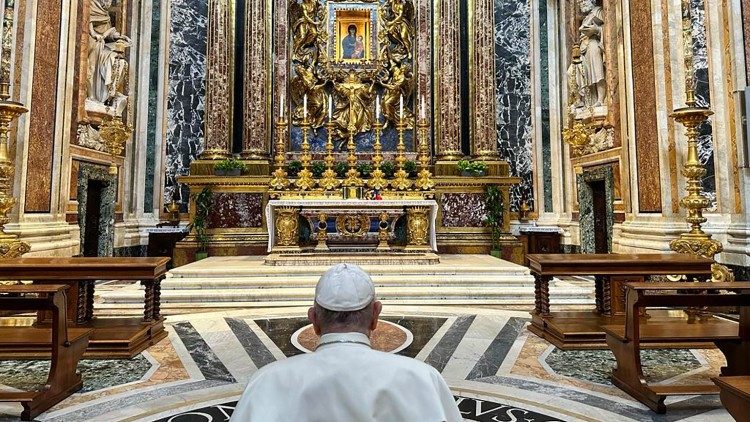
(113, 337)
(625, 341)
(735, 395)
(67, 344)
(582, 330)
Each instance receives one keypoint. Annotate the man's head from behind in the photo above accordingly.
(345, 302)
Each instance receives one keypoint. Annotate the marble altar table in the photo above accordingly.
(282, 216)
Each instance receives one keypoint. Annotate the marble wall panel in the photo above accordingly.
(153, 96)
(236, 210)
(545, 104)
(463, 209)
(513, 94)
(703, 94)
(43, 114)
(586, 206)
(86, 173)
(746, 30)
(646, 130)
(186, 93)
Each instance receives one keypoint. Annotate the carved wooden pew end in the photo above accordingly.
(67, 344)
(625, 341)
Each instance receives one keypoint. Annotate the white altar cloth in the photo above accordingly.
(349, 204)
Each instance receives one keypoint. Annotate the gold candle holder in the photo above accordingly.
(114, 134)
(305, 179)
(401, 177)
(329, 181)
(424, 178)
(377, 178)
(10, 246)
(279, 178)
(352, 176)
(696, 241)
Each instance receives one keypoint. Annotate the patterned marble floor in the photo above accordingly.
(497, 370)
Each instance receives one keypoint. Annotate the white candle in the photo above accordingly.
(330, 107)
(424, 111)
(281, 107)
(377, 108)
(304, 107)
(401, 107)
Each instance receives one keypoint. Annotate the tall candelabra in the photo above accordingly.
(377, 178)
(305, 179)
(401, 177)
(10, 246)
(329, 181)
(279, 178)
(696, 241)
(352, 176)
(424, 178)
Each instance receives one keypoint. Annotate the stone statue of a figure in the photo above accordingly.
(107, 66)
(592, 53)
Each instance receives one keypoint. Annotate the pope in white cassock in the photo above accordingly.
(345, 379)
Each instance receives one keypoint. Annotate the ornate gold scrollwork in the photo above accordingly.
(287, 227)
(352, 84)
(353, 225)
(418, 227)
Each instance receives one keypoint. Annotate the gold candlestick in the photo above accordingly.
(114, 134)
(322, 233)
(280, 179)
(377, 178)
(696, 241)
(401, 177)
(329, 181)
(352, 176)
(424, 178)
(305, 179)
(10, 246)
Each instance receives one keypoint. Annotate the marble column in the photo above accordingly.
(448, 80)
(423, 58)
(218, 80)
(746, 31)
(482, 79)
(257, 80)
(645, 109)
(281, 57)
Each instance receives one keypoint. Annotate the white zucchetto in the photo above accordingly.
(344, 288)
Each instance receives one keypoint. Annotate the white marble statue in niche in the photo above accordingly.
(592, 83)
(107, 66)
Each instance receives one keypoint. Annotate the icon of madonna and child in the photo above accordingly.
(353, 45)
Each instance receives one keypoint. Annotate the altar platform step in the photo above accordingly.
(247, 282)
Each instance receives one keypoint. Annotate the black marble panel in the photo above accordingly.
(441, 354)
(186, 93)
(513, 94)
(209, 364)
(153, 95)
(88, 172)
(493, 357)
(250, 341)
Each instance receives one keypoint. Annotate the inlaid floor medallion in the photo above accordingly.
(387, 337)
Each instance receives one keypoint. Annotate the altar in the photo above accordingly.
(353, 221)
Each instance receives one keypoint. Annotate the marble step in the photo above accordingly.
(309, 280)
(456, 294)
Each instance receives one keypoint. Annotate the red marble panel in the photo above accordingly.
(43, 107)
(463, 209)
(646, 131)
(236, 210)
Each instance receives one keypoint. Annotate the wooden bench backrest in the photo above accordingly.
(691, 295)
(51, 297)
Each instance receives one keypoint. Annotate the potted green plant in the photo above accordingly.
(203, 202)
(317, 168)
(294, 168)
(364, 169)
(388, 168)
(341, 168)
(229, 167)
(494, 219)
(411, 168)
(471, 168)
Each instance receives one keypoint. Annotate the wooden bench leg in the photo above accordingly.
(628, 376)
(737, 354)
(64, 380)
